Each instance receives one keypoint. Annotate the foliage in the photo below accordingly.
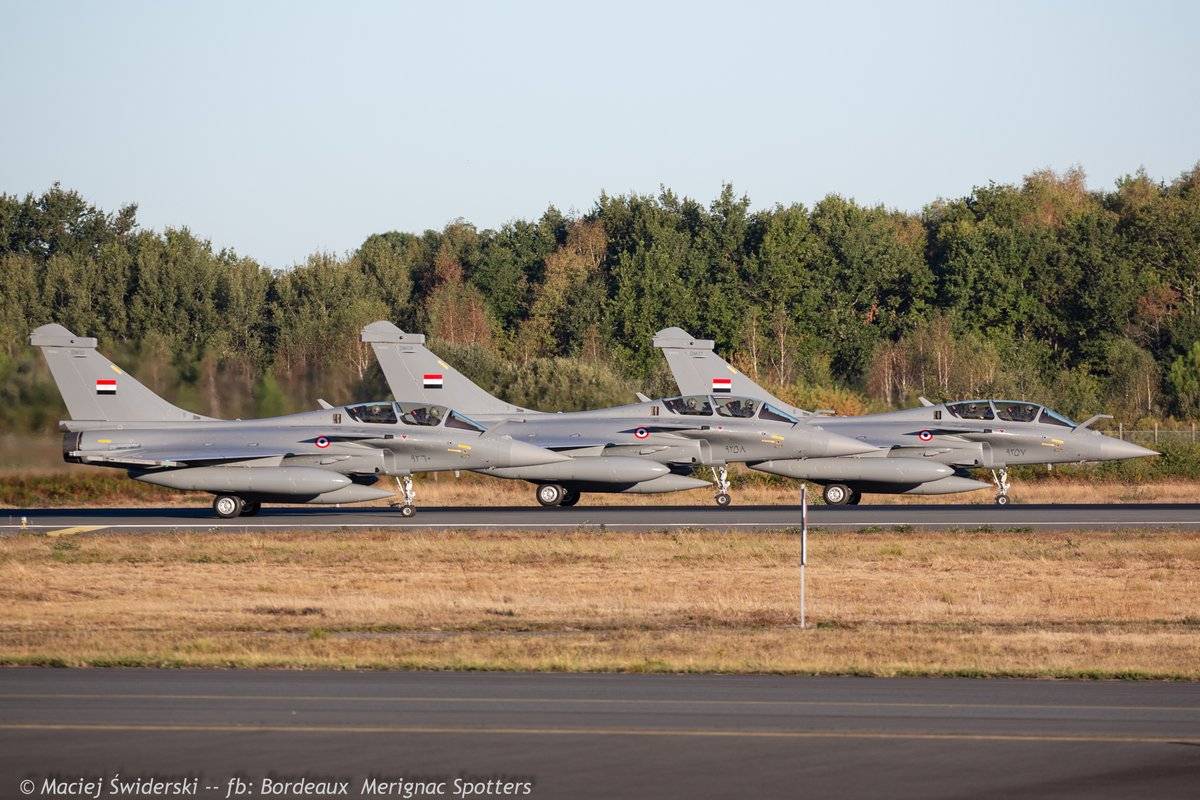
(1086, 300)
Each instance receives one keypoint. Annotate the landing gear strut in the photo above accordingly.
(721, 476)
(405, 484)
(1000, 478)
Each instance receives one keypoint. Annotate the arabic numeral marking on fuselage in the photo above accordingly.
(735, 449)
(1015, 452)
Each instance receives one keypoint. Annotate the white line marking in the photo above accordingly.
(591, 523)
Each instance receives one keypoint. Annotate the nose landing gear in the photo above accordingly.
(1000, 478)
(721, 477)
(406, 507)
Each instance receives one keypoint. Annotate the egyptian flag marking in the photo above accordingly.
(724, 385)
(106, 385)
(432, 380)
(925, 436)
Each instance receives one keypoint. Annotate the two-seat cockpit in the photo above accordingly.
(703, 405)
(419, 414)
(1007, 411)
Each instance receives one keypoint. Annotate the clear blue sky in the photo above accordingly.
(281, 128)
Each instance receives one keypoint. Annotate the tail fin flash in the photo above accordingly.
(94, 388)
(415, 374)
(697, 369)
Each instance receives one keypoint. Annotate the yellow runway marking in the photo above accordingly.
(73, 531)
(584, 701)
(664, 732)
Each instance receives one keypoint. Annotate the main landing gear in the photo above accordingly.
(721, 477)
(1000, 478)
(228, 506)
(839, 494)
(406, 507)
(552, 494)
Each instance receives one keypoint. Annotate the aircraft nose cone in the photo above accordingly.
(521, 454)
(1115, 449)
(832, 445)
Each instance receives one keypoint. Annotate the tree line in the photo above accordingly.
(1083, 299)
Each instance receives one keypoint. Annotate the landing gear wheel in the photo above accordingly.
(837, 494)
(227, 506)
(569, 499)
(855, 499)
(407, 511)
(550, 494)
(723, 500)
(250, 508)
(1001, 499)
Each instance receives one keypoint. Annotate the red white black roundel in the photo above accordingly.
(925, 436)
(641, 433)
(321, 442)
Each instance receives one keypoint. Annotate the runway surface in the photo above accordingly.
(1032, 517)
(604, 736)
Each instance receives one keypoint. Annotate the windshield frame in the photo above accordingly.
(1051, 417)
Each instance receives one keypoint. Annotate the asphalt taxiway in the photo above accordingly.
(603, 736)
(1032, 517)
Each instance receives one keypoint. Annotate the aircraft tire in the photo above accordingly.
(837, 494)
(227, 506)
(250, 507)
(569, 499)
(407, 511)
(723, 500)
(550, 494)
(1002, 500)
(855, 498)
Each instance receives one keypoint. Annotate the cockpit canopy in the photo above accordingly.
(423, 415)
(703, 405)
(1008, 411)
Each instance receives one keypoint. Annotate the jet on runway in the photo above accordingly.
(646, 447)
(335, 455)
(926, 450)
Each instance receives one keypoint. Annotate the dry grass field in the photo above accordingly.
(883, 603)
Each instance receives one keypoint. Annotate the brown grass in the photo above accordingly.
(1087, 603)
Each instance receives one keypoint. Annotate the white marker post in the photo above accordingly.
(803, 546)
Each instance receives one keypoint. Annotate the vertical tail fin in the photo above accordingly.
(96, 389)
(697, 369)
(415, 374)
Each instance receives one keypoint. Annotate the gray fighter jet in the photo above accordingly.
(927, 450)
(335, 455)
(646, 447)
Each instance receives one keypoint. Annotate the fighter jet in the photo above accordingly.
(927, 450)
(337, 454)
(646, 447)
